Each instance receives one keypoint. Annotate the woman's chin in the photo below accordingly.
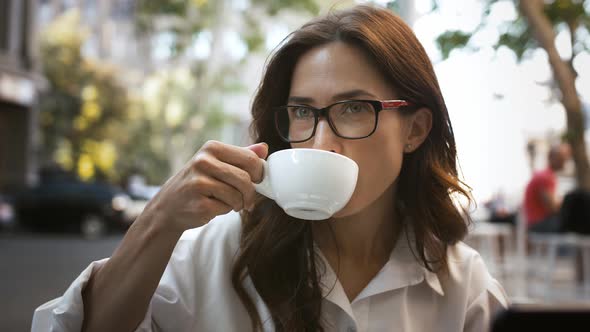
(347, 211)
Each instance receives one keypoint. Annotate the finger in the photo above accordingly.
(234, 176)
(243, 158)
(213, 188)
(211, 208)
(261, 149)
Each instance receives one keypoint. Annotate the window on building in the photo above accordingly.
(5, 6)
(25, 52)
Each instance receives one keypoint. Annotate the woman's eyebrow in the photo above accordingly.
(351, 94)
(300, 100)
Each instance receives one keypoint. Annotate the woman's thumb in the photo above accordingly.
(261, 149)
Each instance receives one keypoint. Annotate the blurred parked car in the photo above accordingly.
(6, 213)
(63, 202)
(140, 194)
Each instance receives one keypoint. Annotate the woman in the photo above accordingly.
(391, 260)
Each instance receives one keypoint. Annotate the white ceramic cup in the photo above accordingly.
(309, 184)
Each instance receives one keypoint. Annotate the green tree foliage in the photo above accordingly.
(84, 106)
(517, 34)
(450, 40)
(184, 19)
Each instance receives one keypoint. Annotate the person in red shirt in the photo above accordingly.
(541, 204)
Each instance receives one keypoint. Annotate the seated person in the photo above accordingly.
(541, 204)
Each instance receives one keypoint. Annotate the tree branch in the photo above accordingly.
(545, 35)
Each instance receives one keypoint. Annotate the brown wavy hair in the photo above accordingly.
(277, 250)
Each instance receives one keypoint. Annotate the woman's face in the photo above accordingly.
(338, 71)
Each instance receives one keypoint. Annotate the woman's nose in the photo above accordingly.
(325, 138)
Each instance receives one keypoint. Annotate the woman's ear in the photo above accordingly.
(418, 127)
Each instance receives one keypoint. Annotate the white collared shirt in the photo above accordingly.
(196, 294)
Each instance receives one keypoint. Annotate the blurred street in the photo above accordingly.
(39, 267)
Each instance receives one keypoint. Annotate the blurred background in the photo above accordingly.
(102, 100)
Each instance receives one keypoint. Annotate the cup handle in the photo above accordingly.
(264, 186)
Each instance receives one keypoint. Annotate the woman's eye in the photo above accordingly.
(302, 112)
(355, 108)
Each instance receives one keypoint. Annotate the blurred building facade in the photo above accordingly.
(18, 86)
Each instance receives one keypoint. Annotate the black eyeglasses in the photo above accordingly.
(350, 119)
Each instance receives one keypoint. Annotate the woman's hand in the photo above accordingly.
(218, 179)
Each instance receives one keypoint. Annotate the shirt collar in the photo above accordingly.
(404, 253)
(402, 270)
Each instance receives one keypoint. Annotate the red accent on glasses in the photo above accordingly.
(388, 104)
